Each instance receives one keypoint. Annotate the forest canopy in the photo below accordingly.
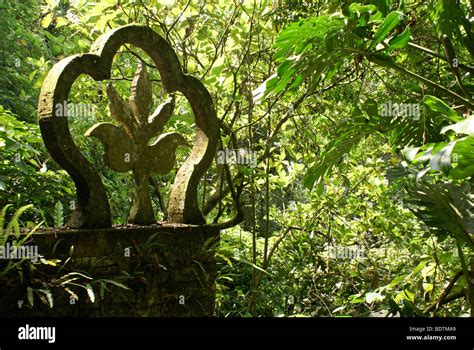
(343, 179)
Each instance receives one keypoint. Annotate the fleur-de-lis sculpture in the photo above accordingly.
(128, 148)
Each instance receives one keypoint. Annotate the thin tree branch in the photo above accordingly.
(444, 295)
(428, 82)
(434, 54)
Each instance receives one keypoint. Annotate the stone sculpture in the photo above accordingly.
(127, 148)
(133, 152)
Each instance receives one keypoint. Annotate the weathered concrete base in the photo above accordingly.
(170, 271)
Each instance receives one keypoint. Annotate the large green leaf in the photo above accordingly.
(305, 49)
(463, 154)
(446, 208)
(441, 108)
(447, 17)
(390, 22)
(332, 155)
(465, 127)
(400, 41)
(13, 224)
(58, 214)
